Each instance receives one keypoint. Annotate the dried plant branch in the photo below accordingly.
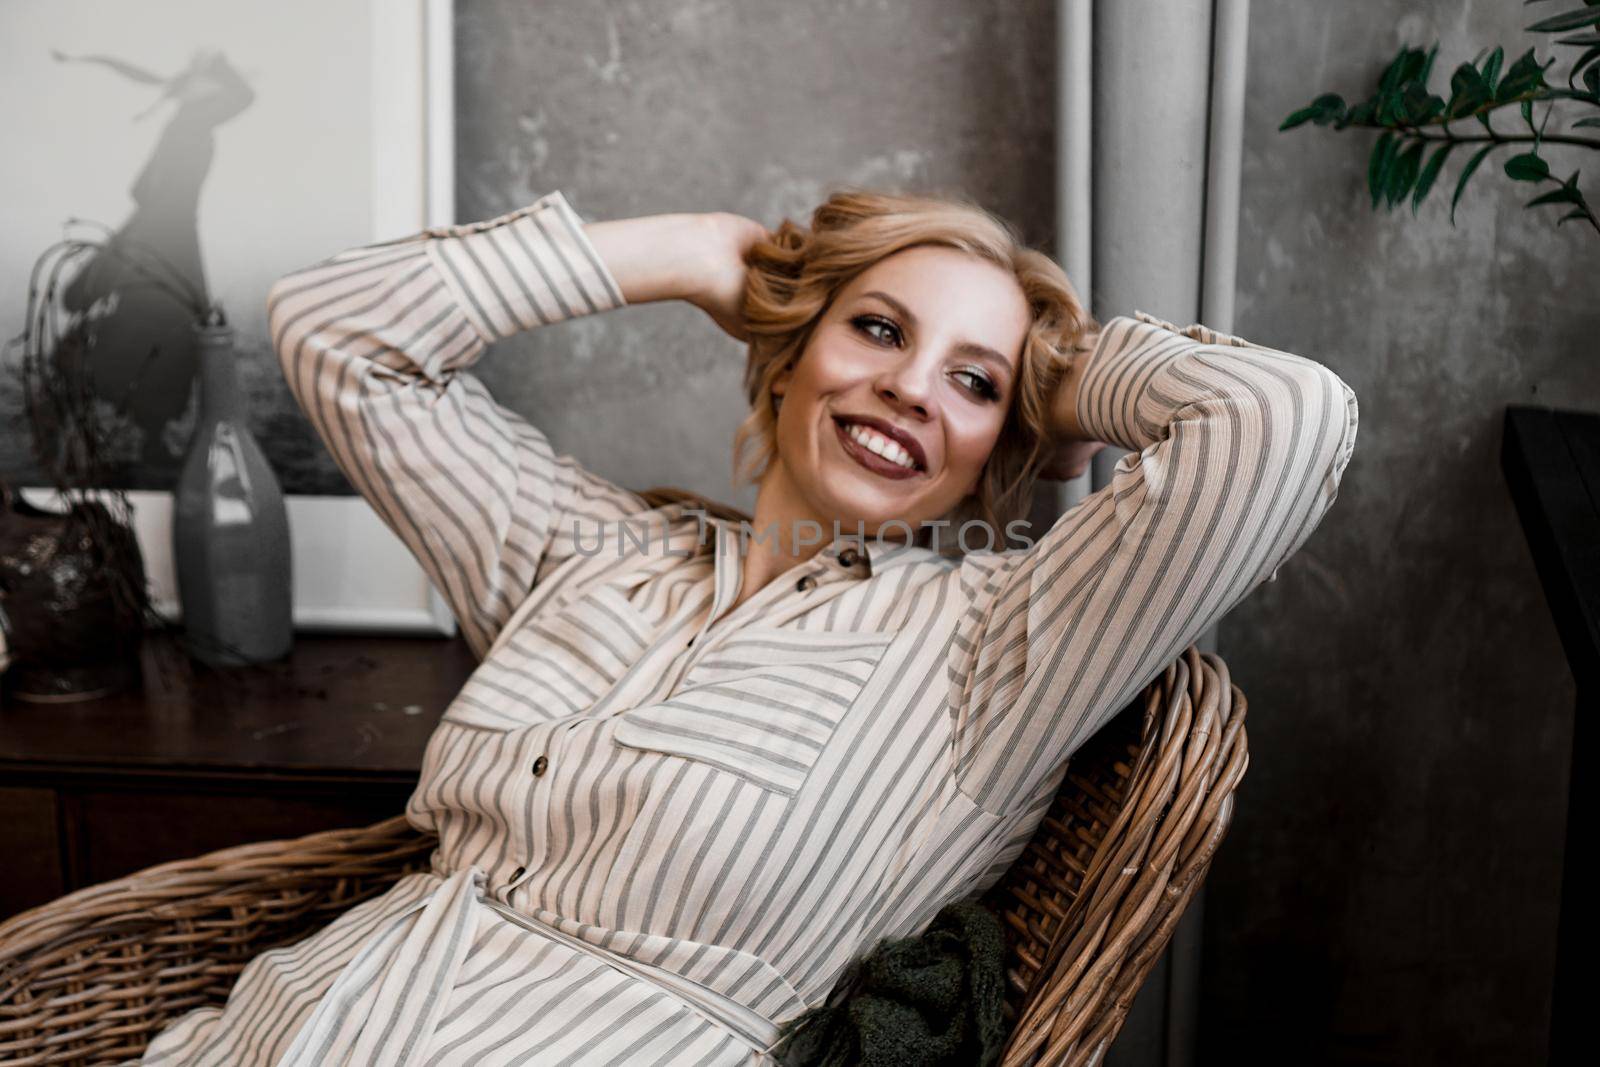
(70, 430)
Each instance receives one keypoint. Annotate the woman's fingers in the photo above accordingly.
(721, 292)
(1070, 459)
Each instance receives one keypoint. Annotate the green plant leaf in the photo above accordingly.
(1525, 74)
(1527, 167)
(1378, 165)
(1329, 107)
(1390, 111)
(1296, 118)
(1581, 38)
(1466, 172)
(1392, 73)
(1466, 77)
(1427, 66)
(1403, 173)
(1581, 202)
(1429, 172)
(1560, 195)
(1591, 56)
(1569, 20)
(1391, 172)
(1416, 62)
(1591, 121)
(1526, 64)
(1415, 104)
(1468, 91)
(1491, 67)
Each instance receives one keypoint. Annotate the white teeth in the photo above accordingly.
(881, 445)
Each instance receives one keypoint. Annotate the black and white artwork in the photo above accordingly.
(230, 142)
(227, 141)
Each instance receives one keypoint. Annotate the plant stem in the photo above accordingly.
(1412, 131)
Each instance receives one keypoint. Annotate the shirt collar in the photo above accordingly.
(850, 552)
(846, 551)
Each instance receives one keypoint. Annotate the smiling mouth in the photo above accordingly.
(875, 452)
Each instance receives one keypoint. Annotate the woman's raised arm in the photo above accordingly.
(697, 258)
(375, 343)
(1236, 454)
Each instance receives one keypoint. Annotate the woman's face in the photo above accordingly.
(898, 399)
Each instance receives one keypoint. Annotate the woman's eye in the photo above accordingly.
(867, 323)
(980, 384)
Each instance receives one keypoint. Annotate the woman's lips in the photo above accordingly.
(870, 459)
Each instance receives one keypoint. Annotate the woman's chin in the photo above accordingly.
(860, 496)
(868, 498)
(871, 511)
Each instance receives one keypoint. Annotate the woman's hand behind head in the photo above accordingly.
(719, 282)
(1069, 459)
(1070, 446)
(699, 258)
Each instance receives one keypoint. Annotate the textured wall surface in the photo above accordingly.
(758, 107)
(1388, 892)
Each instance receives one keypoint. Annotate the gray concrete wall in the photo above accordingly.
(753, 106)
(1387, 894)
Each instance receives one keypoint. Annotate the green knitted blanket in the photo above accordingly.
(923, 1001)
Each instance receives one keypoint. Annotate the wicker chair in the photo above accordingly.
(1087, 908)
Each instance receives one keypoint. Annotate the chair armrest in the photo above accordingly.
(97, 973)
(1094, 898)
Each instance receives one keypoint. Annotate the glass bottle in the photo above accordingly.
(230, 531)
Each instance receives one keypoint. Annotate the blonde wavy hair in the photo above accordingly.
(797, 271)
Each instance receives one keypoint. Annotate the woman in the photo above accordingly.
(701, 765)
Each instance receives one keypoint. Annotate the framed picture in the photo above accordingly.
(240, 141)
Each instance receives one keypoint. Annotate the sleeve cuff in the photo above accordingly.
(1129, 394)
(529, 267)
(1131, 354)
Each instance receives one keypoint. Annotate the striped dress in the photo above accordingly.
(666, 826)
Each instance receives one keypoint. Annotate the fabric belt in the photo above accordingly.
(382, 1008)
(750, 1027)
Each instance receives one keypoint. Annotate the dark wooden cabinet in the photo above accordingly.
(198, 759)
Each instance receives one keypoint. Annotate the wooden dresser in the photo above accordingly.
(199, 759)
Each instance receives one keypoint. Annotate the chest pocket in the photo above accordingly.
(761, 705)
(556, 663)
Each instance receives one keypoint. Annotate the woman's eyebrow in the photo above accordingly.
(971, 348)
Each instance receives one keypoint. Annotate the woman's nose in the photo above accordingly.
(907, 387)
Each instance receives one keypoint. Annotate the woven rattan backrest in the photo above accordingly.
(1092, 901)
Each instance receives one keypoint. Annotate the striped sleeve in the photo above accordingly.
(1236, 452)
(375, 343)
